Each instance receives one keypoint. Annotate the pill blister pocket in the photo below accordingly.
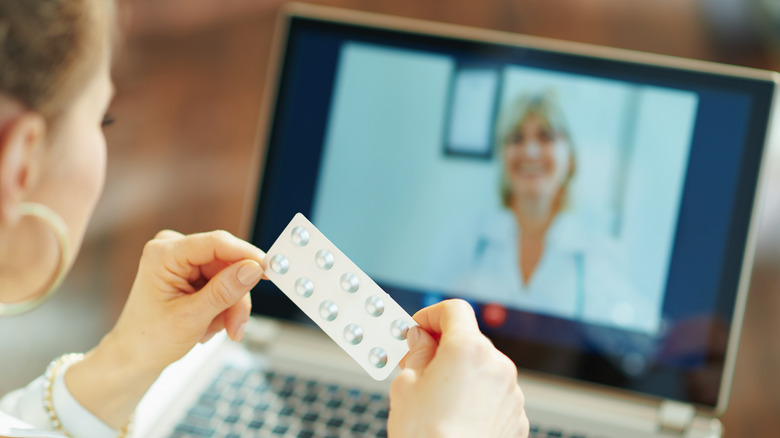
(339, 297)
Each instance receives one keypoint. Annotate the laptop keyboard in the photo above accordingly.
(269, 403)
(553, 432)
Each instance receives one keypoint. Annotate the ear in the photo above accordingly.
(21, 160)
(572, 167)
(572, 160)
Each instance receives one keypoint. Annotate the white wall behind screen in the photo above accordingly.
(387, 195)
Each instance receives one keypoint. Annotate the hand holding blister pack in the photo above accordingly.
(339, 297)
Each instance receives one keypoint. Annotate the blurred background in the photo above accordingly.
(190, 76)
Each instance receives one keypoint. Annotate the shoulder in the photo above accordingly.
(572, 232)
(498, 225)
(11, 426)
(7, 421)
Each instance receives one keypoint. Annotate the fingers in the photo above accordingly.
(422, 348)
(236, 317)
(448, 316)
(216, 325)
(196, 258)
(525, 425)
(228, 287)
(233, 320)
(216, 270)
(168, 235)
(203, 248)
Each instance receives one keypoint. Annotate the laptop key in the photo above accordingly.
(237, 402)
(360, 428)
(335, 422)
(192, 430)
(334, 403)
(204, 411)
(306, 408)
(310, 416)
(280, 429)
(359, 408)
(382, 413)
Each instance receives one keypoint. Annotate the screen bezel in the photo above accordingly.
(741, 243)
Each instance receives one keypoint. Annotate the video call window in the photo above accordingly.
(462, 165)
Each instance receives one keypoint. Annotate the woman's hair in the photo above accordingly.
(545, 107)
(45, 48)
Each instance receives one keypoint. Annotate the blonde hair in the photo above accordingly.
(46, 46)
(545, 107)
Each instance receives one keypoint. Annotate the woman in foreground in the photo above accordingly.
(55, 87)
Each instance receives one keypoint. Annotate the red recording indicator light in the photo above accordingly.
(494, 315)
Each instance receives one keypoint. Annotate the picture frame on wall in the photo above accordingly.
(470, 124)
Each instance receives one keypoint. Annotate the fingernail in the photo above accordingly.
(412, 336)
(250, 274)
(240, 332)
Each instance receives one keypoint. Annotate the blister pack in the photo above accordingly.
(339, 297)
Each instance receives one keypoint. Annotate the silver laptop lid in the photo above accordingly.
(596, 206)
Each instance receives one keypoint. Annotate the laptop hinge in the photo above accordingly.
(675, 417)
(261, 332)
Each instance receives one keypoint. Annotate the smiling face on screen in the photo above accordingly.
(537, 161)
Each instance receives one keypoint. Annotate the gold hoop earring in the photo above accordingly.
(57, 224)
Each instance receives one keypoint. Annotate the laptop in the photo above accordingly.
(399, 139)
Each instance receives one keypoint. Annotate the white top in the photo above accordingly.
(22, 413)
(580, 275)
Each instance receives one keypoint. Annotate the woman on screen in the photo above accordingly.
(538, 165)
(535, 254)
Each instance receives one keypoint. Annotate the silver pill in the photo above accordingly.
(304, 287)
(329, 310)
(399, 329)
(377, 357)
(280, 264)
(353, 334)
(300, 236)
(375, 306)
(350, 282)
(324, 259)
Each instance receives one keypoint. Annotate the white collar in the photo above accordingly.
(565, 232)
(14, 428)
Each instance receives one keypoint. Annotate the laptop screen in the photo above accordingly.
(594, 211)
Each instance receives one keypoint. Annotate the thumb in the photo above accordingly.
(227, 287)
(422, 348)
